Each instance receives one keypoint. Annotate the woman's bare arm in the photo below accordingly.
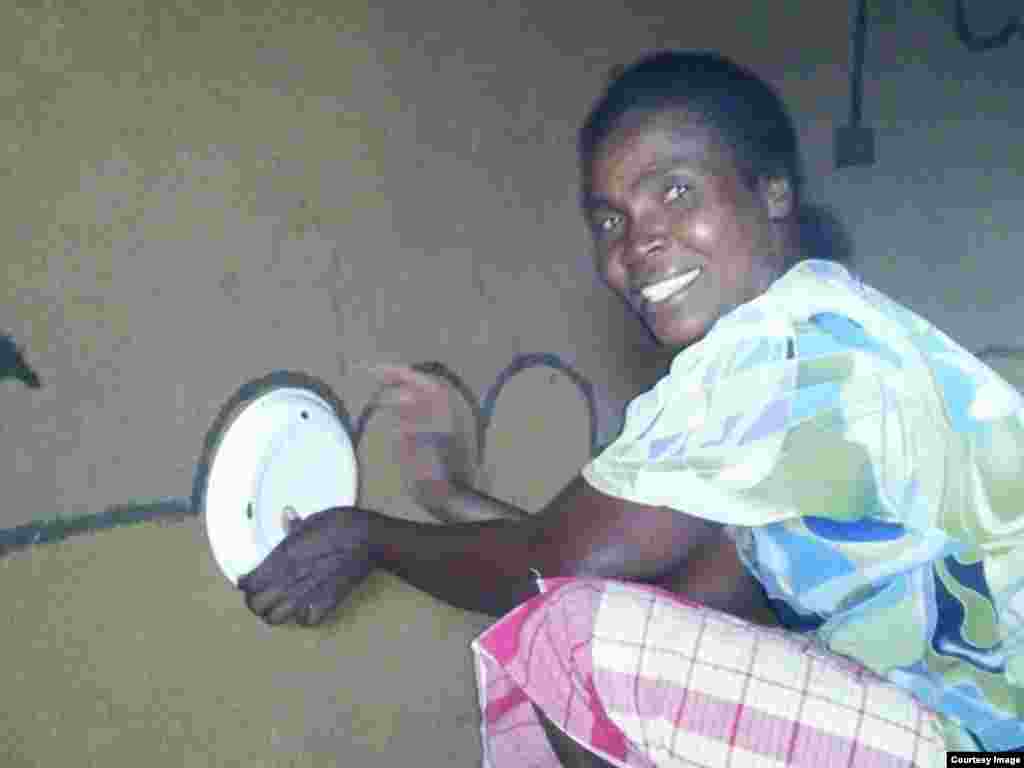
(464, 504)
(485, 567)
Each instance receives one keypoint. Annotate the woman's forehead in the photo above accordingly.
(666, 138)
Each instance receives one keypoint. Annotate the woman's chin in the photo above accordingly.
(672, 329)
(678, 334)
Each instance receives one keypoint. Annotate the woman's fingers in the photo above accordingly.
(268, 574)
(280, 603)
(263, 603)
(405, 376)
(280, 613)
(318, 603)
(395, 373)
(323, 557)
(390, 396)
(420, 402)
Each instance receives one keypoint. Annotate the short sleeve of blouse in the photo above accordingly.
(745, 431)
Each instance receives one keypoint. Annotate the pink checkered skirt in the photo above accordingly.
(642, 677)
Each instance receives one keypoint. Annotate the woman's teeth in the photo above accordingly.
(666, 288)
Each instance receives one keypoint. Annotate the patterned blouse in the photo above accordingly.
(871, 472)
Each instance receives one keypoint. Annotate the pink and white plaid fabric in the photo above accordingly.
(643, 678)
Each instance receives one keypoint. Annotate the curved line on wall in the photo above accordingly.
(535, 360)
(172, 508)
(61, 528)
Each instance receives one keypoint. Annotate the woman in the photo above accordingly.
(817, 456)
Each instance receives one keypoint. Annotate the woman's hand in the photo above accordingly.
(430, 449)
(323, 558)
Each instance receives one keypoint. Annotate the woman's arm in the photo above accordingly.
(480, 566)
(464, 504)
(485, 567)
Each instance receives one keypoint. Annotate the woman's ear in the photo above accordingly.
(778, 197)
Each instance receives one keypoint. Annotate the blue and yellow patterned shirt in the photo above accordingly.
(871, 472)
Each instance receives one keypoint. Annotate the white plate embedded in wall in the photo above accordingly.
(279, 450)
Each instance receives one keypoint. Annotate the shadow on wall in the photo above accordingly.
(13, 365)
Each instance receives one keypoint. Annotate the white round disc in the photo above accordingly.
(285, 455)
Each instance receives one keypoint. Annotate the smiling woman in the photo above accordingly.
(817, 457)
(691, 186)
(681, 236)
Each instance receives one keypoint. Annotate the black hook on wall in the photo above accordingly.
(854, 142)
(977, 43)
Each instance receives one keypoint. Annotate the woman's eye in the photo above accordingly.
(675, 192)
(609, 225)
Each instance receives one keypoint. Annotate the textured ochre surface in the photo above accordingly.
(130, 648)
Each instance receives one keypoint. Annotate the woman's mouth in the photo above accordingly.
(664, 290)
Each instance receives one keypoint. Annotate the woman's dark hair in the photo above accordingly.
(746, 113)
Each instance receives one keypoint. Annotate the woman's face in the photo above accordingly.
(679, 235)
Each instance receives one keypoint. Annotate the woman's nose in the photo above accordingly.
(642, 248)
(647, 239)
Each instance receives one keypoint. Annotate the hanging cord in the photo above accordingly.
(860, 28)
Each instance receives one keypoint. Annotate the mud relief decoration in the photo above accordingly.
(482, 415)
